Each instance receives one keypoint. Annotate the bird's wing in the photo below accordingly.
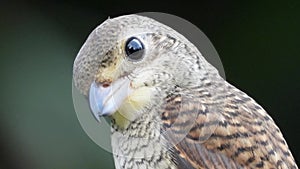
(236, 133)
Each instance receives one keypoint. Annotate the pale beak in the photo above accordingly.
(106, 100)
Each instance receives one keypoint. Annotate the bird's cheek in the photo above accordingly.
(143, 78)
(137, 101)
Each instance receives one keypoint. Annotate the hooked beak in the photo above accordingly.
(106, 100)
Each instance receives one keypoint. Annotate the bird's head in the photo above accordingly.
(129, 63)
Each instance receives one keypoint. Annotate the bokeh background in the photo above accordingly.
(258, 43)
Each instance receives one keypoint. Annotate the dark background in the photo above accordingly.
(258, 43)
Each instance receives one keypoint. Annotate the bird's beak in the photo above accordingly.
(106, 100)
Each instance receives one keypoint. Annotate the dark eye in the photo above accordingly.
(134, 48)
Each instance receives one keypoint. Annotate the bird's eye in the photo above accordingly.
(134, 48)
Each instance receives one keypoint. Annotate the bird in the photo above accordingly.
(169, 108)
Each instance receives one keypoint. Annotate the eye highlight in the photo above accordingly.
(134, 48)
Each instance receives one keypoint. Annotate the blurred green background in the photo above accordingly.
(258, 43)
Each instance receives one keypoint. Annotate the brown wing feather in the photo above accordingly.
(243, 136)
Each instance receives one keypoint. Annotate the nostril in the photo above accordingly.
(105, 84)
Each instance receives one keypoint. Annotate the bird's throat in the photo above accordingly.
(120, 120)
